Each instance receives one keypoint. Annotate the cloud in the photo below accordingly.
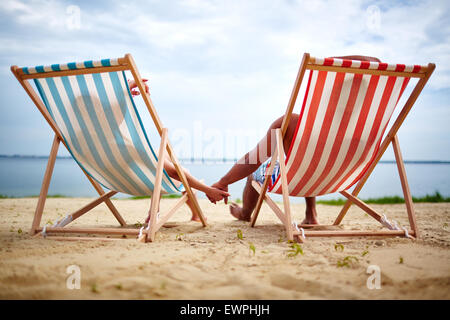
(50, 14)
(225, 59)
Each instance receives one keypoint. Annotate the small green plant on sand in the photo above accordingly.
(118, 286)
(239, 234)
(19, 231)
(400, 260)
(365, 252)
(445, 225)
(138, 224)
(348, 261)
(281, 238)
(339, 247)
(179, 236)
(94, 288)
(252, 248)
(295, 250)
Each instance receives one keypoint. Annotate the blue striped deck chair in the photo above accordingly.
(91, 111)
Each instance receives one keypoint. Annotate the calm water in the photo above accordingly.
(23, 177)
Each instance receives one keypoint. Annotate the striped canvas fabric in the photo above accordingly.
(101, 126)
(342, 122)
(71, 66)
(371, 65)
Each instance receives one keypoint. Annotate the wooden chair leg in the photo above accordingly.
(108, 201)
(284, 186)
(156, 196)
(255, 214)
(262, 191)
(45, 185)
(195, 206)
(362, 205)
(92, 205)
(168, 214)
(151, 232)
(272, 205)
(405, 186)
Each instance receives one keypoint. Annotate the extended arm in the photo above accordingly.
(213, 194)
(361, 58)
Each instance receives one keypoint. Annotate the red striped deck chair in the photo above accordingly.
(92, 113)
(339, 139)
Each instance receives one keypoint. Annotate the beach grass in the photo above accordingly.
(165, 196)
(3, 196)
(434, 198)
(54, 196)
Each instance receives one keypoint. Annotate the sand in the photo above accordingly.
(191, 262)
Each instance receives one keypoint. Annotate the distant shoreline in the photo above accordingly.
(433, 198)
(215, 160)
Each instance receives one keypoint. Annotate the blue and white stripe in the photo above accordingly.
(102, 129)
(71, 66)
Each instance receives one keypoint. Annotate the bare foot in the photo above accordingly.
(310, 221)
(196, 218)
(311, 217)
(237, 212)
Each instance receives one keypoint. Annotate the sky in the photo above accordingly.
(223, 70)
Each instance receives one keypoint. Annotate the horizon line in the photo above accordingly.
(219, 160)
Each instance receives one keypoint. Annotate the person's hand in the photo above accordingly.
(132, 84)
(215, 194)
(223, 187)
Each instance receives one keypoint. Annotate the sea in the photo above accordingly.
(21, 176)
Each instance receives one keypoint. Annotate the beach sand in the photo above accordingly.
(190, 262)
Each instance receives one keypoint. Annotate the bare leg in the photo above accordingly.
(254, 158)
(195, 216)
(243, 167)
(311, 213)
(249, 199)
(171, 171)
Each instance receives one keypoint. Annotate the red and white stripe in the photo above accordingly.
(342, 122)
(366, 65)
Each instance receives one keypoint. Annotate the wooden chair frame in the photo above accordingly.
(126, 63)
(308, 63)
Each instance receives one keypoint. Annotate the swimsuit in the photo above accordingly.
(260, 174)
